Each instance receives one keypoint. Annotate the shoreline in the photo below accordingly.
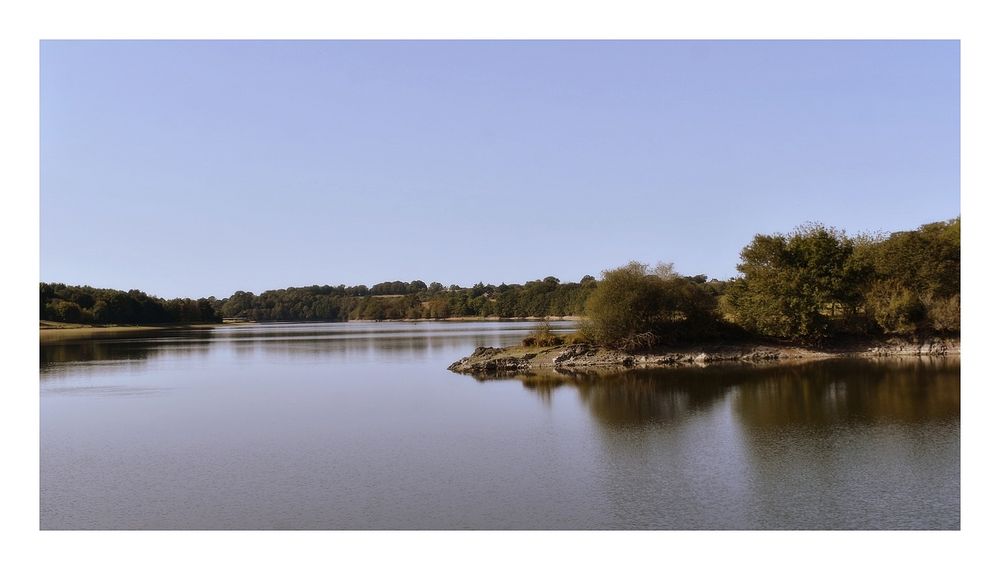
(583, 357)
(50, 332)
(467, 320)
(53, 331)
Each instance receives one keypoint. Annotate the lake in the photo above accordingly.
(360, 426)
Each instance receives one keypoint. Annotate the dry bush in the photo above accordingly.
(542, 336)
(638, 342)
(578, 337)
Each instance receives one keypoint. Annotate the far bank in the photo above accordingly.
(56, 332)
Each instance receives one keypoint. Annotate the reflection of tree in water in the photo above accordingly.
(852, 390)
(136, 347)
(644, 463)
(820, 392)
(337, 344)
(839, 443)
(639, 396)
(864, 443)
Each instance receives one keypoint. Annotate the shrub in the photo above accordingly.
(638, 342)
(895, 308)
(946, 314)
(578, 337)
(634, 308)
(542, 336)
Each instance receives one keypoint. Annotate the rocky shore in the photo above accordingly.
(488, 360)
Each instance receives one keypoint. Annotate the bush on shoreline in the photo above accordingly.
(635, 308)
(542, 336)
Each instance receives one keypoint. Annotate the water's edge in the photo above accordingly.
(588, 356)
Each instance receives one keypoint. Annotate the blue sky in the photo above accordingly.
(201, 168)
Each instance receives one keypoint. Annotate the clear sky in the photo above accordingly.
(201, 168)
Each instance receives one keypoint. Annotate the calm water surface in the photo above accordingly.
(360, 426)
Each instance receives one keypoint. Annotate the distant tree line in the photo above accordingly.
(383, 301)
(413, 300)
(88, 305)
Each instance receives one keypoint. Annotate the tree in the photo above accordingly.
(631, 302)
(913, 282)
(794, 285)
(65, 311)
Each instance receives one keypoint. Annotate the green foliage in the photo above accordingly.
(895, 308)
(81, 304)
(795, 285)
(816, 282)
(926, 261)
(627, 301)
(634, 308)
(399, 300)
(914, 279)
(65, 311)
(946, 314)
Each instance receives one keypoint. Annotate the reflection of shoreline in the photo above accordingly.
(353, 344)
(831, 444)
(813, 393)
(131, 349)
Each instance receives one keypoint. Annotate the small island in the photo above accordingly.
(813, 293)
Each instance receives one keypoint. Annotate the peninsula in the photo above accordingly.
(489, 361)
(812, 293)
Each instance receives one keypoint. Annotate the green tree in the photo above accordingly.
(796, 285)
(65, 311)
(913, 280)
(632, 302)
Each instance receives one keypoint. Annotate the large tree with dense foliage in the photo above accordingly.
(816, 282)
(914, 278)
(795, 285)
